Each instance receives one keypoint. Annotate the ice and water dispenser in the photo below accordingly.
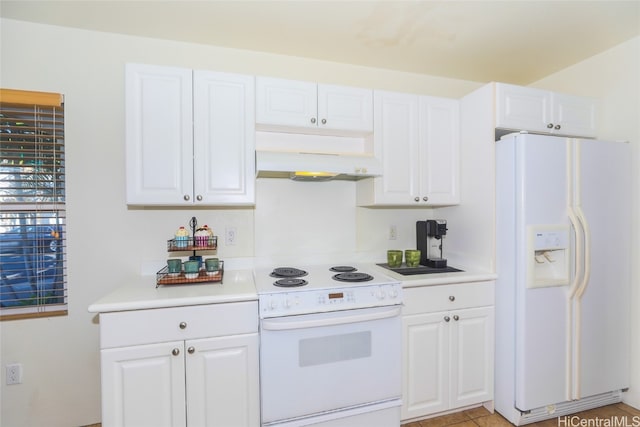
(548, 256)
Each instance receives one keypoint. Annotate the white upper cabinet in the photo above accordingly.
(439, 150)
(417, 140)
(224, 158)
(159, 135)
(315, 108)
(189, 137)
(396, 143)
(536, 110)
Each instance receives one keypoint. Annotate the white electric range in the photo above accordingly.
(284, 291)
(330, 346)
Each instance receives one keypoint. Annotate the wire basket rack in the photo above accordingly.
(163, 277)
(192, 243)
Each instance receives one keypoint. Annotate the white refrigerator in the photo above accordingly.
(563, 223)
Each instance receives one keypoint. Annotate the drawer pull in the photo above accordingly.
(191, 350)
(175, 351)
(452, 298)
(183, 325)
(456, 317)
(447, 318)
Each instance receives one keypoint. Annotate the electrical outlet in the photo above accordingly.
(230, 236)
(393, 232)
(14, 373)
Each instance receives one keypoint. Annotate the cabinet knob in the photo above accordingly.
(447, 318)
(425, 198)
(192, 350)
(199, 198)
(452, 298)
(186, 197)
(550, 126)
(417, 199)
(324, 121)
(175, 351)
(456, 317)
(313, 119)
(183, 325)
(557, 127)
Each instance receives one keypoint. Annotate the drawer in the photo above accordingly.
(125, 328)
(428, 299)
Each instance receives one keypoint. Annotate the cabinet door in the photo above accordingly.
(286, 103)
(574, 115)
(345, 108)
(426, 365)
(523, 108)
(396, 144)
(472, 343)
(222, 381)
(439, 151)
(224, 159)
(143, 386)
(159, 135)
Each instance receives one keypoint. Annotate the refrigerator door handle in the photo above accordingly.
(571, 350)
(578, 304)
(579, 252)
(587, 254)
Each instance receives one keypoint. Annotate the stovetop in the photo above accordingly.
(288, 290)
(323, 276)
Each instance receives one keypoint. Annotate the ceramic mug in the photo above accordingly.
(394, 258)
(174, 266)
(212, 265)
(191, 269)
(412, 257)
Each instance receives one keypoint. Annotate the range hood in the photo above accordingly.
(315, 167)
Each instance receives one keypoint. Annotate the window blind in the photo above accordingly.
(32, 196)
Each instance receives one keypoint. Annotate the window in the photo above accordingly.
(32, 205)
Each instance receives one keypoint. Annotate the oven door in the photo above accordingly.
(314, 363)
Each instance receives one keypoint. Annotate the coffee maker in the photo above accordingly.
(429, 237)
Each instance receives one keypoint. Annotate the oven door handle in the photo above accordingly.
(283, 323)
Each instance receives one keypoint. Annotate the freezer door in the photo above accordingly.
(603, 336)
(542, 374)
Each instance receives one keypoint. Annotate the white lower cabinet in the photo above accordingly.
(448, 344)
(208, 381)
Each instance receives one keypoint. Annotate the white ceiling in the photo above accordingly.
(512, 41)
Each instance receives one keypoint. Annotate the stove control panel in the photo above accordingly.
(335, 299)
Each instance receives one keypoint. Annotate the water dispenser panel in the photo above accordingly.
(548, 256)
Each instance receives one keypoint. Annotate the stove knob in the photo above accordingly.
(273, 304)
(381, 295)
(393, 293)
(287, 303)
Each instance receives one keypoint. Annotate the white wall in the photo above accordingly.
(614, 78)
(108, 243)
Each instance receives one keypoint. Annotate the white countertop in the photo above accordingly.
(237, 285)
(433, 279)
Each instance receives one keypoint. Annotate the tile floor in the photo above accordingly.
(618, 414)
